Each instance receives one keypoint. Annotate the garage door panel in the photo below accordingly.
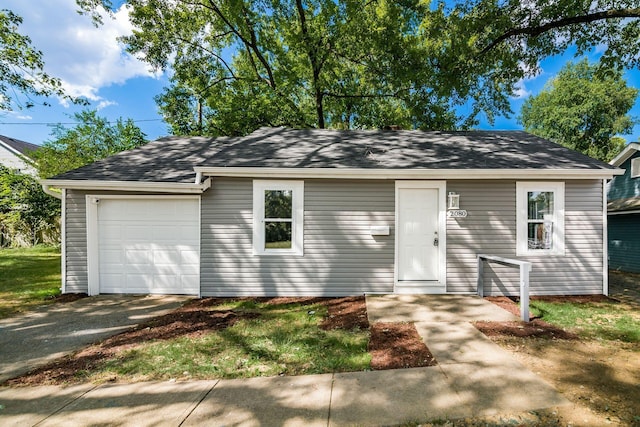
(149, 246)
(190, 234)
(190, 281)
(167, 257)
(189, 257)
(167, 233)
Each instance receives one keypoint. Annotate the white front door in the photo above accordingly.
(420, 237)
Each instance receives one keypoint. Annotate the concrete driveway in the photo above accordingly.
(52, 331)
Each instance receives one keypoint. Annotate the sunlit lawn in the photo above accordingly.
(27, 277)
(285, 339)
(607, 320)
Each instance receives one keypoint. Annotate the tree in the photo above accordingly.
(94, 138)
(240, 64)
(22, 68)
(28, 216)
(584, 108)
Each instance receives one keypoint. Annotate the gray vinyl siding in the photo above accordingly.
(75, 255)
(490, 228)
(624, 242)
(340, 255)
(342, 258)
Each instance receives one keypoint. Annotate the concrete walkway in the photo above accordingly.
(53, 331)
(473, 377)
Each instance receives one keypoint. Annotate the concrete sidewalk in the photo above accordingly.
(473, 377)
(354, 398)
(53, 331)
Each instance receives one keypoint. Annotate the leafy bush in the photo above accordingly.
(28, 215)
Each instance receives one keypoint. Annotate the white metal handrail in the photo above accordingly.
(525, 269)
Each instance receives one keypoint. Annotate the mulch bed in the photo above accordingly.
(346, 313)
(65, 298)
(396, 346)
(393, 345)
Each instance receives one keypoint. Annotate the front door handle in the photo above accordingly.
(435, 239)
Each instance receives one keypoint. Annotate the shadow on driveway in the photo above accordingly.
(30, 340)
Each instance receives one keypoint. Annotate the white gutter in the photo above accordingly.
(355, 173)
(153, 187)
(47, 189)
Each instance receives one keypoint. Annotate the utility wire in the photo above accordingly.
(67, 123)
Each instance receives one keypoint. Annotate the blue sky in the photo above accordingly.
(91, 63)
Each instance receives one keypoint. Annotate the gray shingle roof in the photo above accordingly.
(172, 159)
(22, 147)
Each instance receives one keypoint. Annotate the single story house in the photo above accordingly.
(14, 154)
(624, 211)
(329, 213)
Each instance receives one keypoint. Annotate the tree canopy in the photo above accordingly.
(241, 64)
(22, 75)
(584, 108)
(94, 138)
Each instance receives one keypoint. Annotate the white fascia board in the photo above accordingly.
(628, 151)
(153, 187)
(29, 161)
(349, 173)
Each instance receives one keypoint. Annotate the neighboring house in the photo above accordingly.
(323, 212)
(624, 212)
(14, 154)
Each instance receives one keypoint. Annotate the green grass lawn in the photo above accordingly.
(606, 320)
(27, 277)
(279, 339)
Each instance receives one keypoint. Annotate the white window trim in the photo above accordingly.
(522, 188)
(297, 227)
(635, 168)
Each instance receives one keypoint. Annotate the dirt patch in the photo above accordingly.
(536, 328)
(600, 379)
(396, 346)
(625, 286)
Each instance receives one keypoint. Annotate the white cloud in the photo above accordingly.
(104, 104)
(84, 57)
(24, 117)
(520, 90)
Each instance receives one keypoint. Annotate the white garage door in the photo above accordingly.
(149, 246)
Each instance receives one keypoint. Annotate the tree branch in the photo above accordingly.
(561, 23)
(251, 44)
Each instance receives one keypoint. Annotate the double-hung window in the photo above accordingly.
(635, 167)
(278, 212)
(540, 218)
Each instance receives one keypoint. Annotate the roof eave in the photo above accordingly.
(356, 173)
(624, 155)
(152, 187)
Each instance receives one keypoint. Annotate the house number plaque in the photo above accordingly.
(457, 213)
